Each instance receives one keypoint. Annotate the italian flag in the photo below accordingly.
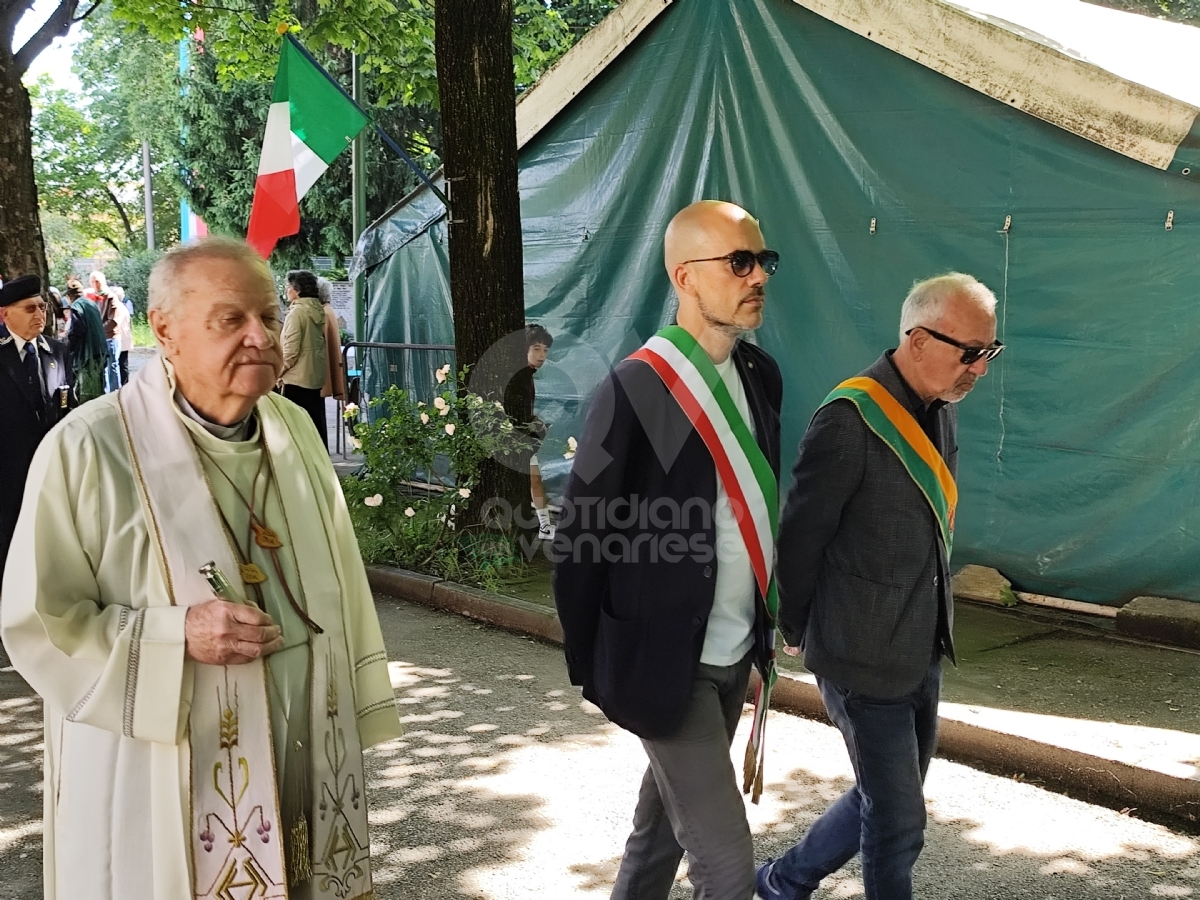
(310, 122)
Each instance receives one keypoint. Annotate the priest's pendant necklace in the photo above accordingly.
(258, 533)
(300, 852)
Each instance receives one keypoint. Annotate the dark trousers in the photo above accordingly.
(311, 401)
(689, 800)
(883, 816)
(123, 367)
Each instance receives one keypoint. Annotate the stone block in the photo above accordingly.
(1162, 620)
(983, 585)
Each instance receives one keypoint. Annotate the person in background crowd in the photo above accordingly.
(56, 315)
(538, 342)
(124, 332)
(100, 295)
(864, 580)
(335, 380)
(86, 341)
(305, 359)
(35, 392)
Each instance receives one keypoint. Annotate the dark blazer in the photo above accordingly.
(26, 414)
(634, 596)
(861, 568)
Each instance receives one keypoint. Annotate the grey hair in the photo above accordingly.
(324, 291)
(927, 300)
(165, 289)
(99, 278)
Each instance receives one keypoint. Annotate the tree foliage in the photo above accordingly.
(1175, 10)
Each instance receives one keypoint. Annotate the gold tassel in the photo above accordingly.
(749, 766)
(758, 784)
(301, 859)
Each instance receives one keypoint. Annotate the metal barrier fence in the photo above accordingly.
(371, 368)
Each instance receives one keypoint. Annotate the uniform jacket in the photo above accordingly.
(861, 569)
(634, 587)
(27, 412)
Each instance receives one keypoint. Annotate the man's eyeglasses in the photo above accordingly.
(40, 306)
(971, 354)
(742, 261)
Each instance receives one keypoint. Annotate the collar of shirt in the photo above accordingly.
(925, 415)
(40, 346)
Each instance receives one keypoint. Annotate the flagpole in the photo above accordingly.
(383, 134)
(358, 210)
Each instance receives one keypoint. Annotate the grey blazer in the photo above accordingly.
(861, 569)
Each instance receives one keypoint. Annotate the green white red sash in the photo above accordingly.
(693, 380)
(897, 428)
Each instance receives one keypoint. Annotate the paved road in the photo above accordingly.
(505, 786)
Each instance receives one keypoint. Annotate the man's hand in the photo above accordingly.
(220, 633)
(791, 651)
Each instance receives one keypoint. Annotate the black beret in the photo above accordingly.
(20, 289)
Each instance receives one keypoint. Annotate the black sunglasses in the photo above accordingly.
(742, 261)
(971, 354)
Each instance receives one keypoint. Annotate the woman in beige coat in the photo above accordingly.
(305, 358)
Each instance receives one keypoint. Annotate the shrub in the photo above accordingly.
(422, 467)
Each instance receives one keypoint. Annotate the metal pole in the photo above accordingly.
(358, 216)
(148, 193)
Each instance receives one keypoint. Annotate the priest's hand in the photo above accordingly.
(790, 650)
(220, 633)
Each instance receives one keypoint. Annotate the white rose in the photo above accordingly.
(410, 512)
(424, 418)
(355, 443)
(572, 446)
(464, 493)
(449, 428)
(440, 403)
(350, 411)
(374, 500)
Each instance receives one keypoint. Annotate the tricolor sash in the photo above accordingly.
(693, 380)
(897, 428)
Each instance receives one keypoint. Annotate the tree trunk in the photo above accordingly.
(473, 44)
(22, 251)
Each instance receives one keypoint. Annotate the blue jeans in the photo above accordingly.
(112, 371)
(883, 815)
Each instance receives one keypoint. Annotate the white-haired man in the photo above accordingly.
(864, 587)
(191, 605)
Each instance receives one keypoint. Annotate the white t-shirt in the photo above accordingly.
(730, 632)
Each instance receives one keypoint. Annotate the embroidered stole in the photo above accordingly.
(693, 380)
(235, 839)
(897, 428)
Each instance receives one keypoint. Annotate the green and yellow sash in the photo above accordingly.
(897, 428)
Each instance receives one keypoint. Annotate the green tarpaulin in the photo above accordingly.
(1080, 451)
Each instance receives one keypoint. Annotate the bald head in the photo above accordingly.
(704, 229)
(720, 297)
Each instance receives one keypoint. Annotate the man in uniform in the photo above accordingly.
(192, 607)
(35, 379)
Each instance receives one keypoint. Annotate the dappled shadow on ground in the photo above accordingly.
(493, 761)
(20, 789)
(990, 836)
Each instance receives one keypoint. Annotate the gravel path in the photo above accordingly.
(507, 786)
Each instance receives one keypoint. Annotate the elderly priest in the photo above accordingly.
(186, 594)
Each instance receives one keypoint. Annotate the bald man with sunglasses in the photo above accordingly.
(863, 576)
(662, 628)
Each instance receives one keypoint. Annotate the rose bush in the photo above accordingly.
(421, 469)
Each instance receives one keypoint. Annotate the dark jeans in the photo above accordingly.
(689, 800)
(311, 401)
(883, 815)
(123, 367)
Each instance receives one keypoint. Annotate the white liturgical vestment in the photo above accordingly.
(89, 618)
